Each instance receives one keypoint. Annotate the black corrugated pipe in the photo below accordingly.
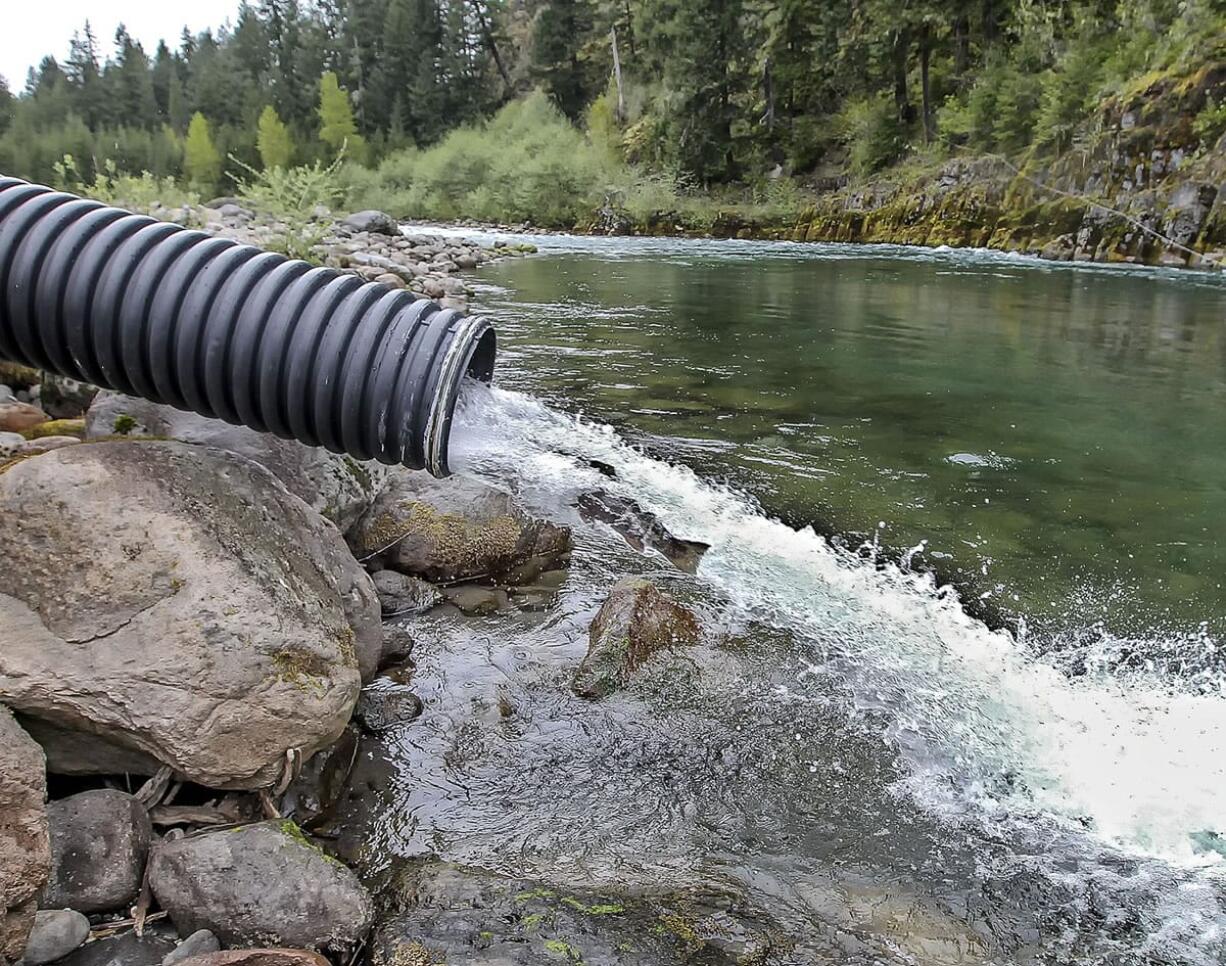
(227, 330)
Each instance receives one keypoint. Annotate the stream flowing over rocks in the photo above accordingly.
(263, 705)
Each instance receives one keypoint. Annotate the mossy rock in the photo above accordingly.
(57, 427)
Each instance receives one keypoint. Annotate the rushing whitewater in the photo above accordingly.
(1119, 769)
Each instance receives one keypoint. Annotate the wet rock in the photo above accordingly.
(126, 949)
(56, 933)
(400, 594)
(321, 783)
(261, 883)
(456, 529)
(456, 915)
(259, 957)
(641, 529)
(99, 842)
(392, 279)
(65, 398)
(16, 417)
(25, 852)
(338, 487)
(385, 704)
(478, 601)
(375, 222)
(635, 622)
(227, 586)
(199, 943)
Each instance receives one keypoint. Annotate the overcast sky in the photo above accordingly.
(32, 29)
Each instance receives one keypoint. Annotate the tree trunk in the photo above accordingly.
(617, 74)
(899, 50)
(488, 36)
(925, 89)
(962, 42)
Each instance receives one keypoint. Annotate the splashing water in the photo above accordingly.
(1139, 763)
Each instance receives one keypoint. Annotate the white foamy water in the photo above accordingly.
(1138, 764)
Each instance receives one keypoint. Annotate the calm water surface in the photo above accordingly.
(1051, 438)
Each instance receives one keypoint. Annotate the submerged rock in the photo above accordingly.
(258, 957)
(636, 621)
(56, 933)
(262, 883)
(449, 914)
(99, 842)
(385, 703)
(25, 851)
(176, 604)
(338, 487)
(456, 529)
(641, 529)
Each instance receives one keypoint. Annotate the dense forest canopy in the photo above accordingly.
(709, 92)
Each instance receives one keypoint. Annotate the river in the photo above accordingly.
(881, 446)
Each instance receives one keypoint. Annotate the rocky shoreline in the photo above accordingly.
(195, 657)
(207, 630)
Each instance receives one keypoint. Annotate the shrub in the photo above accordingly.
(298, 198)
(873, 134)
(528, 163)
(139, 192)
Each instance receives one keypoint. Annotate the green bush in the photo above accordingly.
(873, 134)
(528, 163)
(299, 198)
(138, 192)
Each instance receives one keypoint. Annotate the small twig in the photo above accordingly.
(108, 929)
(150, 793)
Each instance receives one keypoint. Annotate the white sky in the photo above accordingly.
(31, 29)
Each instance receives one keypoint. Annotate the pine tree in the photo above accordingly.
(273, 140)
(6, 105)
(201, 160)
(336, 125)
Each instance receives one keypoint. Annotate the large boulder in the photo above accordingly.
(25, 852)
(176, 603)
(261, 884)
(635, 622)
(376, 222)
(339, 487)
(456, 529)
(99, 842)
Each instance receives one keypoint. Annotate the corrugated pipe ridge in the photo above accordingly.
(227, 330)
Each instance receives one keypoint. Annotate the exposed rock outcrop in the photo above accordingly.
(175, 604)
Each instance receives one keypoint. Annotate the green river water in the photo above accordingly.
(1053, 436)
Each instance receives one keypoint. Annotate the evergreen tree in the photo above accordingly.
(7, 102)
(131, 83)
(273, 140)
(201, 159)
(85, 77)
(336, 125)
(559, 31)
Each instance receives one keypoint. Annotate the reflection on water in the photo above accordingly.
(1003, 412)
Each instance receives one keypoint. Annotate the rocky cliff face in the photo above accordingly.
(1143, 187)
